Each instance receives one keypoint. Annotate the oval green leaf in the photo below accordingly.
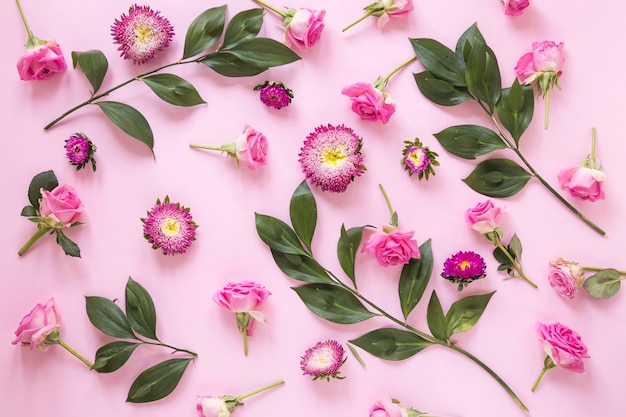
(93, 64)
(113, 356)
(303, 214)
(469, 141)
(278, 235)
(483, 75)
(440, 60)
(243, 26)
(391, 344)
(464, 313)
(414, 279)
(129, 120)
(515, 109)
(498, 178)
(467, 40)
(46, 180)
(140, 310)
(228, 65)
(440, 91)
(204, 31)
(604, 284)
(264, 52)
(107, 317)
(28, 211)
(158, 381)
(436, 319)
(173, 89)
(347, 248)
(333, 303)
(300, 267)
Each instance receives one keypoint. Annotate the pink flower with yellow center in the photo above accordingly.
(169, 227)
(463, 268)
(419, 159)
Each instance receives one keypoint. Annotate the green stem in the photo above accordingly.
(73, 352)
(398, 68)
(213, 148)
(175, 349)
(245, 342)
(517, 268)
(391, 212)
(272, 8)
(547, 109)
(28, 31)
(597, 268)
(40, 232)
(360, 19)
(593, 147)
(256, 391)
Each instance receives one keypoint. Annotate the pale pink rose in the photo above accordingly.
(388, 409)
(214, 406)
(582, 182)
(60, 207)
(394, 8)
(41, 62)
(243, 297)
(304, 28)
(370, 103)
(37, 325)
(515, 7)
(483, 217)
(563, 345)
(565, 277)
(251, 148)
(546, 56)
(392, 247)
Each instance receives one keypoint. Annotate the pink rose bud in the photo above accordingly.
(42, 321)
(251, 148)
(392, 247)
(303, 27)
(396, 8)
(582, 182)
(370, 103)
(565, 277)
(212, 406)
(388, 409)
(41, 61)
(515, 7)
(563, 345)
(60, 207)
(483, 217)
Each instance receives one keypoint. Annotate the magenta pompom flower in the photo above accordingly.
(169, 227)
(323, 360)
(274, 94)
(331, 157)
(463, 268)
(79, 150)
(141, 34)
(419, 159)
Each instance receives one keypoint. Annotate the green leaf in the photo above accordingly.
(469, 141)
(69, 247)
(204, 31)
(129, 120)
(243, 26)
(515, 109)
(440, 60)
(333, 303)
(436, 319)
(440, 91)
(464, 313)
(467, 40)
(107, 317)
(278, 235)
(414, 279)
(515, 247)
(264, 52)
(93, 64)
(173, 89)
(498, 178)
(158, 381)
(46, 180)
(303, 214)
(347, 248)
(140, 310)
(505, 263)
(391, 344)
(604, 284)
(113, 356)
(483, 75)
(28, 211)
(300, 267)
(229, 65)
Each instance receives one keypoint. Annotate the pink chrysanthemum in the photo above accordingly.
(323, 360)
(79, 150)
(463, 268)
(274, 94)
(419, 159)
(169, 227)
(331, 157)
(142, 34)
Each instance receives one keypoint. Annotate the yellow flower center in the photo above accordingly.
(464, 265)
(170, 227)
(334, 156)
(416, 158)
(144, 33)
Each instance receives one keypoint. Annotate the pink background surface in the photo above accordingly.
(223, 201)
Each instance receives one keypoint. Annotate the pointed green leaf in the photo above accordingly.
(347, 248)
(300, 267)
(140, 310)
(440, 91)
(129, 120)
(469, 141)
(173, 89)
(333, 303)
(604, 284)
(204, 31)
(436, 319)
(414, 279)
(515, 247)
(505, 263)
(303, 214)
(278, 235)
(158, 381)
(464, 313)
(229, 65)
(391, 344)
(69, 247)
(440, 60)
(46, 180)
(515, 109)
(498, 178)
(483, 75)
(467, 40)
(243, 26)
(113, 356)
(93, 64)
(28, 211)
(264, 52)
(107, 317)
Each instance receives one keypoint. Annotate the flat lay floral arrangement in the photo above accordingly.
(386, 209)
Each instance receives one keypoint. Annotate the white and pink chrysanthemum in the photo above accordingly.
(331, 157)
(419, 159)
(169, 227)
(323, 360)
(141, 34)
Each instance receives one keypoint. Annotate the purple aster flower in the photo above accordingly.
(169, 227)
(141, 34)
(79, 150)
(323, 360)
(419, 159)
(463, 268)
(331, 157)
(274, 94)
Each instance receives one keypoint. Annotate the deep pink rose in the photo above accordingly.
(388, 409)
(370, 103)
(60, 207)
(515, 7)
(563, 345)
(41, 62)
(37, 325)
(251, 148)
(392, 247)
(483, 218)
(394, 8)
(546, 56)
(243, 297)
(304, 27)
(213, 406)
(582, 182)
(565, 277)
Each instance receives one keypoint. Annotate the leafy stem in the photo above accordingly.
(398, 68)
(40, 232)
(175, 349)
(256, 391)
(359, 20)
(272, 8)
(514, 263)
(73, 352)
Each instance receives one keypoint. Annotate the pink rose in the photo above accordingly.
(303, 27)
(370, 103)
(60, 207)
(483, 218)
(392, 247)
(515, 7)
(582, 182)
(395, 8)
(563, 345)
(243, 297)
(546, 56)
(212, 407)
(36, 326)
(565, 277)
(41, 61)
(251, 147)
(388, 409)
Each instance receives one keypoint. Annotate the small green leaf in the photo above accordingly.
(229, 65)
(356, 355)
(107, 317)
(303, 214)
(498, 178)
(391, 344)
(347, 248)
(483, 75)
(464, 313)
(469, 141)
(515, 109)
(440, 91)
(28, 211)
(278, 235)
(467, 40)
(436, 319)
(333, 303)
(140, 310)
(515, 247)
(440, 60)
(505, 263)
(113, 356)
(173, 89)
(264, 52)
(204, 31)
(93, 64)
(604, 284)
(414, 279)
(158, 381)
(243, 26)
(300, 267)
(69, 247)
(46, 180)
(129, 120)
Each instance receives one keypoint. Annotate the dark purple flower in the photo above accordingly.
(79, 150)
(274, 94)
(463, 268)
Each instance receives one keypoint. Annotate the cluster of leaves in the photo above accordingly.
(242, 53)
(155, 382)
(514, 248)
